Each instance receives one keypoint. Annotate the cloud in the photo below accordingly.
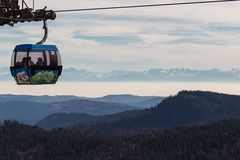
(125, 40)
(200, 36)
(226, 29)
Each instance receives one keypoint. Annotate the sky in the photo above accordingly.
(199, 36)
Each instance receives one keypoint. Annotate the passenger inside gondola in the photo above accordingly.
(53, 59)
(30, 62)
(23, 64)
(20, 63)
(40, 62)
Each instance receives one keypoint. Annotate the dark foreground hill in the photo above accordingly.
(220, 141)
(187, 108)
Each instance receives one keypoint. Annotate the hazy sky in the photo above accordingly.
(199, 36)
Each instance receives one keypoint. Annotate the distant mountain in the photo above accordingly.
(31, 109)
(132, 100)
(32, 112)
(151, 102)
(38, 99)
(90, 107)
(152, 75)
(23, 111)
(187, 108)
(126, 98)
(57, 120)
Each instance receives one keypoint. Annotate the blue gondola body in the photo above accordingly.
(34, 64)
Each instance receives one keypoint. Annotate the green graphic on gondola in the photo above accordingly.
(44, 77)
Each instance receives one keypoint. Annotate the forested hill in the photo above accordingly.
(220, 141)
(187, 108)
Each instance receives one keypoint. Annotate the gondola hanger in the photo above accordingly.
(45, 27)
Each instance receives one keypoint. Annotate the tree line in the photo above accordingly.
(219, 140)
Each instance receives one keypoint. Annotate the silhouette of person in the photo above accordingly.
(24, 62)
(30, 62)
(40, 62)
(53, 60)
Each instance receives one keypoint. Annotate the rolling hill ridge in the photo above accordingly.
(187, 108)
(31, 109)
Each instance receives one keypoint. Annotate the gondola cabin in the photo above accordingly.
(34, 64)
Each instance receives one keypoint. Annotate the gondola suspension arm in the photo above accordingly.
(45, 27)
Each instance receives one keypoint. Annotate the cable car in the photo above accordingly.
(36, 64)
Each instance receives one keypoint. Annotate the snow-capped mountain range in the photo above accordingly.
(152, 75)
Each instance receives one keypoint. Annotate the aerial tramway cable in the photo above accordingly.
(144, 6)
(44, 14)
